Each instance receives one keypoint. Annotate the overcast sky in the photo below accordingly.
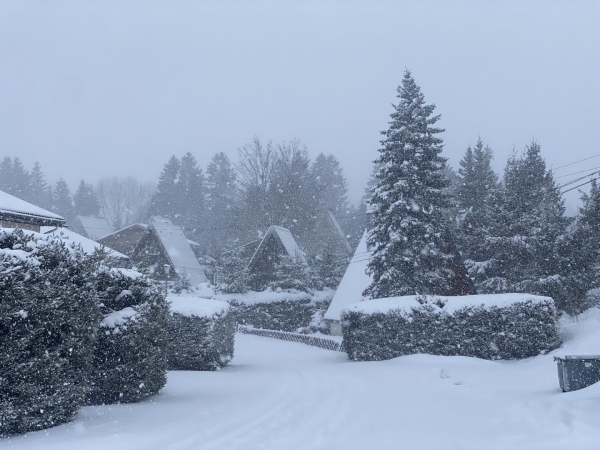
(100, 88)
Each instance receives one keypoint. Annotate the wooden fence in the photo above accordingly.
(322, 342)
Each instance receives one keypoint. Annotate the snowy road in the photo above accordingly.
(283, 395)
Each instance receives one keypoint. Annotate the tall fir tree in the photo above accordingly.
(38, 190)
(190, 196)
(7, 175)
(408, 202)
(62, 201)
(164, 201)
(86, 201)
(222, 202)
(331, 188)
(21, 179)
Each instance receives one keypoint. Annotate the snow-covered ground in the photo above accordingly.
(283, 395)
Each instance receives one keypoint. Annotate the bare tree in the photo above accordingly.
(124, 200)
(256, 164)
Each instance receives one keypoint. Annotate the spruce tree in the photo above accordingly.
(408, 201)
(222, 207)
(85, 200)
(38, 191)
(62, 202)
(331, 188)
(190, 195)
(7, 175)
(21, 178)
(164, 202)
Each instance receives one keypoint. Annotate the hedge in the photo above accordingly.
(48, 324)
(502, 326)
(201, 333)
(130, 361)
(282, 311)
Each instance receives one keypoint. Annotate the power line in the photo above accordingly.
(575, 162)
(577, 179)
(575, 173)
(582, 184)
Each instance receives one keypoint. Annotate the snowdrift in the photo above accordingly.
(498, 326)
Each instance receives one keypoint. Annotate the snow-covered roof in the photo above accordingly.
(178, 249)
(144, 226)
(95, 228)
(10, 204)
(336, 226)
(354, 282)
(88, 245)
(285, 238)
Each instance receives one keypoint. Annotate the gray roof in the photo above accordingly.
(95, 228)
(284, 236)
(178, 249)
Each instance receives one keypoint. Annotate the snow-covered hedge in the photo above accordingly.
(130, 362)
(502, 326)
(283, 311)
(48, 323)
(201, 333)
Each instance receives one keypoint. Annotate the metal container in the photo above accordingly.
(577, 372)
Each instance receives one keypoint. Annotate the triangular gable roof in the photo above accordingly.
(354, 282)
(11, 205)
(285, 237)
(95, 228)
(336, 226)
(177, 249)
(88, 245)
(135, 225)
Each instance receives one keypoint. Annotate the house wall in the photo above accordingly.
(149, 254)
(264, 265)
(22, 225)
(124, 241)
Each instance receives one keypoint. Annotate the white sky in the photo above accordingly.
(99, 88)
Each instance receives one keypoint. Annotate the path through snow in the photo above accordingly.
(284, 395)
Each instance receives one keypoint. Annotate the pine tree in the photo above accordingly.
(7, 175)
(331, 188)
(62, 202)
(85, 201)
(164, 202)
(408, 202)
(233, 275)
(526, 231)
(190, 195)
(291, 274)
(222, 202)
(21, 179)
(38, 191)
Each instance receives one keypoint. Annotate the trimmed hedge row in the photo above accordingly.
(406, 325)
(48, 323)
(280, 311)
(201, 334)
(130, 361)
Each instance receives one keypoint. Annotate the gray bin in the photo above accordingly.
(577, 372)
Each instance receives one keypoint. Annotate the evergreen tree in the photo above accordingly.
(62, 202)
(190, 195)
(233, 275)
(21, 179)
(329, 183)
(475, 193)
(408, 202)
(221, 202)
(164, 202)
(7, 175)
(38, 191)
(85, 201)
(291, 274)
(526, 231)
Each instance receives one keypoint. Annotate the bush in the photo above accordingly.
(130, 361)
(282, 311)
(502, 326)
(201, 334)
(48, 323)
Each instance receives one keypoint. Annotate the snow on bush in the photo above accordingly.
(48, 323)
(130, 361)
(498, 326)
(201, 333)
(278, 310)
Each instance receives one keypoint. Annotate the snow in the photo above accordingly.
(287, 240)
(270, 296)
(129, 273)
(191, 306)
(95, 228)
(284, 395)
(88, 245)
(353, 283)
(179, 250)
(406, 303)
(11, 204)
(118, 318)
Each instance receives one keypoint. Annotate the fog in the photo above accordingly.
(93, 89)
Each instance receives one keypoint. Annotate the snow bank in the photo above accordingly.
(116, 319)
(268, 296)
(189, 306)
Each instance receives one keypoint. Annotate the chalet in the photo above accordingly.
(91, 227)
(126, 239)
(350, 289)
(276, 242)
(17, 213)
(327, 233)
(164, 245)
